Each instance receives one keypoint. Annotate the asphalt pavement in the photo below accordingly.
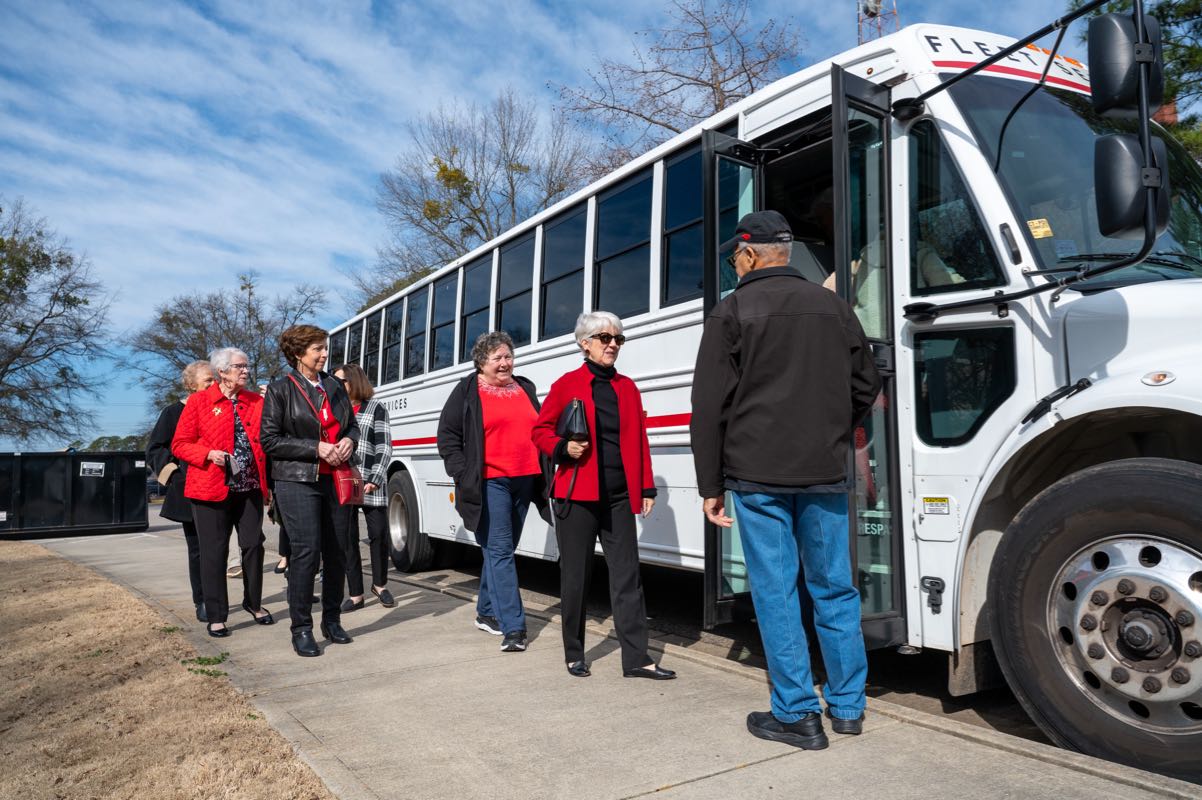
(424, 705)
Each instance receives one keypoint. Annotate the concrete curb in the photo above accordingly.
(1037, 751)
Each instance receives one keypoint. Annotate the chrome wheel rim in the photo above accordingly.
(1125, 622)
(398, 521)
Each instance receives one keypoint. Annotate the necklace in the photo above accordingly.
(499, 391)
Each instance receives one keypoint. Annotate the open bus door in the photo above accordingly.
(860, 154)
(732, 186)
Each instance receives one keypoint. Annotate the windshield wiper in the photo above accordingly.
(1154, 259)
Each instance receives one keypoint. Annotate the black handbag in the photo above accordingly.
(572, 427)
(572, 424)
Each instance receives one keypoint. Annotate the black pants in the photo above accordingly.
(317, 526)
(285, 545)
(214, 521)
(193, 543)
(377, 545)
(577, 532)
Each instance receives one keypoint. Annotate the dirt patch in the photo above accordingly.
(103, 698)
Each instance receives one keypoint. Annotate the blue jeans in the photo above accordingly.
(506, 501)
(788, 538)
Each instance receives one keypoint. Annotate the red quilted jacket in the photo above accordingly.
(207, 424)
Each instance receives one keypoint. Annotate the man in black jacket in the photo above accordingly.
(783, 375)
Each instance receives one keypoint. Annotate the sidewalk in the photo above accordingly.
(423, 705)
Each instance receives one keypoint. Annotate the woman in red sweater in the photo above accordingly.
(603, 482)
(218, 436)
(484, 441)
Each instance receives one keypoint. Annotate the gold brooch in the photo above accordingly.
(216, 411)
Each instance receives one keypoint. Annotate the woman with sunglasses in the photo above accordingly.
(218, 436)
(599, 486)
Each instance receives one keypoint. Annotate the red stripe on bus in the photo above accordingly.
(410, 442)
(1022, 73)
(669, 420)
(665, 421)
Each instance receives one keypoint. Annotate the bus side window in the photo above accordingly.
(961, 378)
(683, 235)
(623, 249)
(477, 282)
(338, 347)
(354, 343)
(394, 316)
(371, 349)
(415, 333)
(563, 273)
(949, 248)
(514, 291)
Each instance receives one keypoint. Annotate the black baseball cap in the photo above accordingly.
(760, 227)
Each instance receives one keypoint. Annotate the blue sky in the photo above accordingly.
(178, 144)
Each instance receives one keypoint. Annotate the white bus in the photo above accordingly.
(1018, 430)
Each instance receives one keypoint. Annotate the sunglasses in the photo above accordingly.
(606, 338)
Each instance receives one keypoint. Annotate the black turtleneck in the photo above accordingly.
(609, 452)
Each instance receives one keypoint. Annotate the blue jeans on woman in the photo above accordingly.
(781, 534)
(506, 501)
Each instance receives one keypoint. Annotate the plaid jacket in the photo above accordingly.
(374, 451)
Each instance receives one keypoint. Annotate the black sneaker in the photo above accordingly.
(514, 642)
(489, 625)
(851, 727)
(805, 733)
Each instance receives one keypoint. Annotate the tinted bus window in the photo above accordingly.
(562, 297)
(415, 334)
(393, 335)
(442, 323)
(514, 290)
(624, 242)
(683, 239)
(354, 344)
(338, 347)
(477, 281)
(371, 349)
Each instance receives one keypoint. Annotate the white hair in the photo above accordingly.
(591, 323)
(770, 251)
(192, 374)
(222, 356)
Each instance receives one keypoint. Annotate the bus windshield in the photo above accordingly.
(1046, 171)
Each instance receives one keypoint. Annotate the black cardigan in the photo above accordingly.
(461, 446)
(175, 507)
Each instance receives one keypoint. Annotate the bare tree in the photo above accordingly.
(188, 327)
(53, 318)
(470, 173)
(710, 56)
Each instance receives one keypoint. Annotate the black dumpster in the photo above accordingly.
(72, 492)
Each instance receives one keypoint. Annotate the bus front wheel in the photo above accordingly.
(410, 548)
(1096, 596)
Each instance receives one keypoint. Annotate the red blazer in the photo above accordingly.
(632, 437)
(207, 424)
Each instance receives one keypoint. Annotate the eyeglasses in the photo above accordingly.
(606, 338)
(239, 367)
(733, 257)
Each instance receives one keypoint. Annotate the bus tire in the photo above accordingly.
(1096, 599)
(409, 547)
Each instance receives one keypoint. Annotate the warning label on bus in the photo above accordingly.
(936, 505)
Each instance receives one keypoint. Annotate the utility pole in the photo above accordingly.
(876, 18)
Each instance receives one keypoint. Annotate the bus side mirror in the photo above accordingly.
(1121, 191)
(1115, 54)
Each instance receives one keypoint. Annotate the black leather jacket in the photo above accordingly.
(290, 431)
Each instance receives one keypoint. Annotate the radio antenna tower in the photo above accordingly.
(876, 18)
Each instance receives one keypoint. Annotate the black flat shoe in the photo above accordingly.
(304, 644)
(386, 598)
(579, 670)
(217, 633)
(266, 619)
(280, 570)
(655, 672)
(335, 633)
(849, 727)
(201, 614)
(349, 605)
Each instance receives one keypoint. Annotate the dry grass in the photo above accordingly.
(97, 704)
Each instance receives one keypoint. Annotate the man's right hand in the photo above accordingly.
(715, 511)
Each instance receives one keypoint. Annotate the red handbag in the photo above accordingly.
(348, 482)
